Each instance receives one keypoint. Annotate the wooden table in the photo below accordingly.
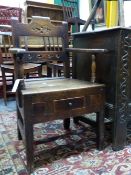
(114, 70)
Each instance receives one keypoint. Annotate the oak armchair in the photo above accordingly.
(47, 99)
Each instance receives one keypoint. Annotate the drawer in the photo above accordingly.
(69, 104)
(61, 106)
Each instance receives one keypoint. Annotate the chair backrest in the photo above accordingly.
(70, 9)
(6, 44)
(42, 42)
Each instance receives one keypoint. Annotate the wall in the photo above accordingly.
(84, 7)
(12, 3)
(20, 3)
(127, 14)
(84, 11)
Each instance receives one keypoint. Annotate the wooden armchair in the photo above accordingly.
(46, 99)
(71, 14)
(7, 62)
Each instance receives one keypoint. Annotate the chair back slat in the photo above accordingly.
(70, 8)
(5, 45)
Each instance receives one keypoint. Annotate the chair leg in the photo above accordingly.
(29, 146)
(40, 71)
(76, 120)
(100, 129)
(59, 73)
(49, 71)
(4, 85)
(66, 123)
(18, 119)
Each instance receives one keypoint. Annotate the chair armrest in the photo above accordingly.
(84, 50)
(17, 50)
(2, 26)
(93, 58)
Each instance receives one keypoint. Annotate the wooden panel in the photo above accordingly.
(55, 12)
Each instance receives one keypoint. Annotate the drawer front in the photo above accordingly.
(76, 105)
(69, 104)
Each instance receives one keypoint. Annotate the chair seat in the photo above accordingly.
(52, 99)
(27, 67)
(8, 62)
(56, 69)
(8, 71)
(57, 84)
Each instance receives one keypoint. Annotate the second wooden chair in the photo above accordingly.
(7, 63)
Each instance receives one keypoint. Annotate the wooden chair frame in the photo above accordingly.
(53, 98)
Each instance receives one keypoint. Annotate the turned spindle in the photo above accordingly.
(93, 69)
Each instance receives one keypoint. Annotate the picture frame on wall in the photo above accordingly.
(99, 18)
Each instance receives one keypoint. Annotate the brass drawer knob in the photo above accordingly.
(70, 104)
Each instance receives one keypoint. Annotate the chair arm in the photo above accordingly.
(5, 26)
(93, 52)
(84, 50)
(17, 50)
